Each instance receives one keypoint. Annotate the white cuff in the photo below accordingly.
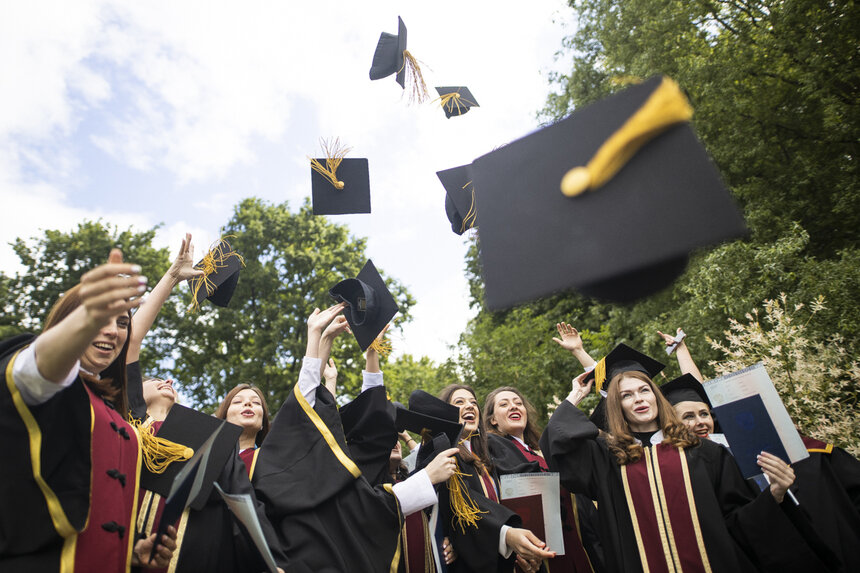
(415, 493)
(309, 379)
(504, 550)
(34, 388)
(370, 380)
(590, 368)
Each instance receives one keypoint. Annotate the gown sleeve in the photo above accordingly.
(368, 426)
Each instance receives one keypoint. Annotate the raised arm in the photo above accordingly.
(571, 341)
(105, 293)
(182, 269)
(682, 352)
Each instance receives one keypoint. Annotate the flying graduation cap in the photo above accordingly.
(459, 198)
(339, 185)
(610, 201)
(456, 100)
(220, 266)
(392, 57)
(370, 304)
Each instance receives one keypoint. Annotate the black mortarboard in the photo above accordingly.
(459, 197)
(598, 416)
(427, 412)
(221, 266)
(622, 358)
(456, 100)
(371, 305)
(685, 388)
(190, 482)
(626, 239)
(192, 429)
(354, 197)
(388, 58)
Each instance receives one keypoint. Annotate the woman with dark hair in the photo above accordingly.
(667, 500)
(68, 487)
(488, 544)
(246, 407)
(513, 442)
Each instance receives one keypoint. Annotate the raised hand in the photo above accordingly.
(107, 290)
(779, 474)
(163, 553)
(580, 389)
(442, 466)
(570, 339)
(183, 265)
(330, 376)
(319, 320)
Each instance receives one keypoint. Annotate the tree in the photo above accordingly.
(292, 260)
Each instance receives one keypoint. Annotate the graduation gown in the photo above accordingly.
(511, 457)
(68, 488)
(827, 486)
(326, 514)
(711, 511)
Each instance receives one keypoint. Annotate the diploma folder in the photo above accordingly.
(243, 510)
(754, 419)
(536, 498)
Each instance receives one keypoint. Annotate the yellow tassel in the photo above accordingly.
(465, 511)
(382, 347)
(414, 79)
(452, 100)
(158, 453)
(472, 215)
(217, 257)
(334, 154)
(600, 374)
(663, 109)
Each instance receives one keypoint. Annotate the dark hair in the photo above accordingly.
(531, 434)
(110, 383)
(479, 454)
(620, 438)
(225, 405)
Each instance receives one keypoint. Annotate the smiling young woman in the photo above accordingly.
(246, 407)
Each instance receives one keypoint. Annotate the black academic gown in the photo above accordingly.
(729, 516)
(326, 514)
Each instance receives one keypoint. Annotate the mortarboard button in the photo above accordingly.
(339, 185)
(629, 237)
(459, 198)
(220, 266)
(456, 100)
(370, 304)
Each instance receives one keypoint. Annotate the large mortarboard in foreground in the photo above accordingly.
(626, 239)
(456, 100)
(221, 266)
(459, 197)
(370, 304)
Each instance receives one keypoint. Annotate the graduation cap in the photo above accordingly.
(459, 198)
(427, 412)
(685, 388)
(339, 185)
(646, 208)
(192, 429)
(622, 358)
(456, 100)
(189, 483)
(371, 305)
(392, 57)
(598, 415)
(220, 266)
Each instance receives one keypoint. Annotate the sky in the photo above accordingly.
(165, 112)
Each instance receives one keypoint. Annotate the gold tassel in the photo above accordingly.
(463, 507)
(382, 347)
(452, 100)
(663, 109)
(158, 453)
(472, 215)
(414, 79)
(215, 259)
(334, 154)
(600, 374)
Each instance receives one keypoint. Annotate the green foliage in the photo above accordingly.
(405, 374)
(816, 377)
(292, 261)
